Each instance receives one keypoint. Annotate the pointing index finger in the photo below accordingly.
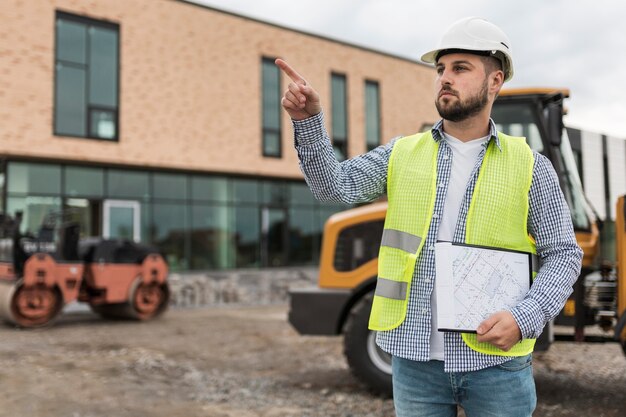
(291, 73)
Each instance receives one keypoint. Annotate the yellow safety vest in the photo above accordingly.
(497, 217)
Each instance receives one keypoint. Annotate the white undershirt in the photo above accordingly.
(464, 156)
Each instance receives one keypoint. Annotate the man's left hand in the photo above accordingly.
(500, 329)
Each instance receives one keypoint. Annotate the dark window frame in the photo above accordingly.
(343, 141)
(61, 15)
(264, 129)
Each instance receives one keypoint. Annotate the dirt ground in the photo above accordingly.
(240, 361)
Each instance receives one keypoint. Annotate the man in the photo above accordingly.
(463, 182)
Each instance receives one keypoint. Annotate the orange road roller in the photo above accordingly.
(39, 275)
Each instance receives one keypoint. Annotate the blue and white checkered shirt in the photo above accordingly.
(364, 178)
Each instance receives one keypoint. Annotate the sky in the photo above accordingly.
(579, 45)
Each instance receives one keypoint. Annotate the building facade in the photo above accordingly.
(160, 121)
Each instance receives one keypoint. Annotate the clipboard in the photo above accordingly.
(473, 282)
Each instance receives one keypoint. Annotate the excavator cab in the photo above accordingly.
(537, 114)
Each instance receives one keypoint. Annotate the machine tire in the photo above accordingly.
(146, 302)
(620, 331)
(366, 360)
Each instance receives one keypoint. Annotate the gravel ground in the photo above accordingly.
(240, 361)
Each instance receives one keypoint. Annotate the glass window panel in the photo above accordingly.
(247, 231)
(170, 186)
(372, 115)
(127, 184)
(572, 186)
(275, 237)
(71, 41)
(212, 238)
(146, 222)
(170, 233)
(339, 122)
(102, 124)
(2, 185)
(271, 143)
(35, 211)
(304, 236)
(328, 209)
(103, 67)
(70, 101)
(518, 120)
(210, 189)
(271, 94)
(245, 191)
(83, 181)
(325, 213)
(300, 194)
(81, 211)
(274, 192)
(121, 223)
(271, 108)
(29, 178)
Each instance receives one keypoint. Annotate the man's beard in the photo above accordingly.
(460, 110)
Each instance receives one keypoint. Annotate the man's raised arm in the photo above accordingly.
(357, 180)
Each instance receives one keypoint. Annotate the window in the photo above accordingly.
(169, 186)
(245, 191)
(304, 235)
(212, 237)
(86, 99)
(274, 192)
(339, 114)
(170, 233)
(35, 212)
(270, 75)
(197, 221)
(211, 189)
(372, 115)
(357, 245)
(517, 119)
(30, 178)
(127, 184)
(247, 236)
(84, 181)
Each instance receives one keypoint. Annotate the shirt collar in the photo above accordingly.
(437, 132)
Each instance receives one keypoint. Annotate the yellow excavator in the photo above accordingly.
(341, 303)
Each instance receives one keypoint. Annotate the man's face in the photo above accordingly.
(461, 86)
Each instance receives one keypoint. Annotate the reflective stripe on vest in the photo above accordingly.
(400, 240)
(496, 217)
(389, 288)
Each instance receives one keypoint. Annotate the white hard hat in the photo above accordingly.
(474, 34)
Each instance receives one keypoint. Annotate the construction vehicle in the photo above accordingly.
(341, 303)
(40, 274)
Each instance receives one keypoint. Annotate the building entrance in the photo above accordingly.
(121, 220)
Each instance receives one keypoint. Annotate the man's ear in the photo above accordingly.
(496, 81)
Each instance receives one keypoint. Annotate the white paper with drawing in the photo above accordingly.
(474, 282)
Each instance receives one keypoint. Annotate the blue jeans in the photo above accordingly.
(423, 389)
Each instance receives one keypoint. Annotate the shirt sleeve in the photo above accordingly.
(356, 180)
(550, 223)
